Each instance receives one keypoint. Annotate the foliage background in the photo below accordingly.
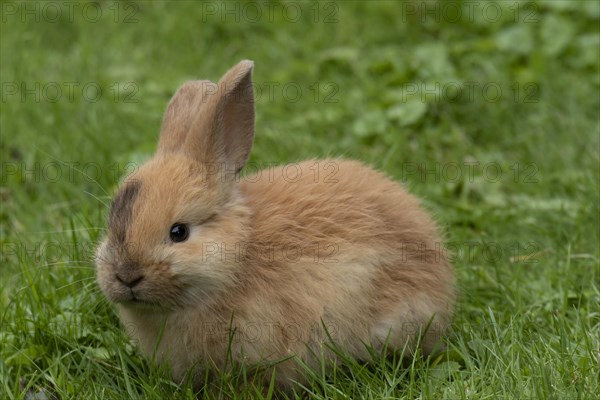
(487, 110)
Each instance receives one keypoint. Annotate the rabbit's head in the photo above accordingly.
(174, 222)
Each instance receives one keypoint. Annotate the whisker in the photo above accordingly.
(74, 267)
(84, 280)
(67, 262)
(91, 228)
(97, 198)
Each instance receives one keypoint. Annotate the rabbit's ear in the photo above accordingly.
(223, 130)
(181, 112)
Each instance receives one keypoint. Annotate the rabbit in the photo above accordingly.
(271, 267)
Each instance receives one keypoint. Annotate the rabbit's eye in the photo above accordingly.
(179, 232)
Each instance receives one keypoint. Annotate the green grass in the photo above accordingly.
(406, 92)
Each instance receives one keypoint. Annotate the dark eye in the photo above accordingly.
(179, 232)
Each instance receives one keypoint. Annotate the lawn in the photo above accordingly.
(489, 111)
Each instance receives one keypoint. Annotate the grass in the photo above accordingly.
(491, 118)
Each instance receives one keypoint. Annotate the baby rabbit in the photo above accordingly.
(204, 264)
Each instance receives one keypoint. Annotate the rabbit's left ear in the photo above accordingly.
(181, 113)
(223, 130)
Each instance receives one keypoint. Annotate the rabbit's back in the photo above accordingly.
(338, 244)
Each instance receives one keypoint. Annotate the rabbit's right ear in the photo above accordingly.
(181, 112)
(223, 131)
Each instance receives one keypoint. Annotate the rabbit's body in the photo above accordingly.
(275, 263)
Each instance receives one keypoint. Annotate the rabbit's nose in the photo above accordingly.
(129, 281)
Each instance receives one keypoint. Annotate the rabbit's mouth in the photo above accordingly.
(137, 302)
(130, 297)
(143, 304)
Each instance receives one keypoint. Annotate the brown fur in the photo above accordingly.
(288, 258)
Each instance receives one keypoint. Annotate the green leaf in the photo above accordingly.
(26, 356)
(444, 370)
(409, 112)
(591, 9)
(432, 62)
(370, 123)
(587, 51)
(516, 39)
(100, 353)
(556, 33)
